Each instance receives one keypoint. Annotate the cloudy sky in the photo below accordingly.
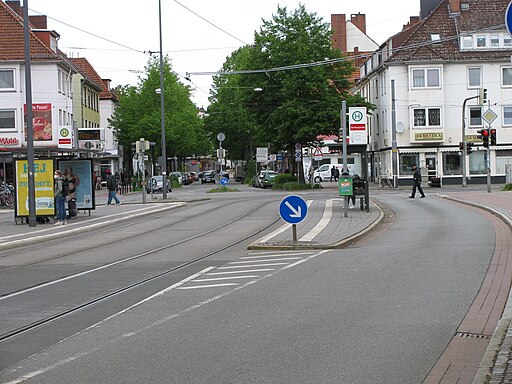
(116, 35)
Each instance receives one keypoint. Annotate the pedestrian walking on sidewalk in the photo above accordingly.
(112, 188)
(61, 190)
(416, 182)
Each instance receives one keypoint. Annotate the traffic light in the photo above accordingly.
(492, 135)
(484, 136)
(469, 148)
(482, 96)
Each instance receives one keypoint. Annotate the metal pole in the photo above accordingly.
(465, 147)
(488, 164)
(394, 147)
(32, 219)
(144, 174)
(344, 138)
(162, 108)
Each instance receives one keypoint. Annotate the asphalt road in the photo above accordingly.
(379, 312)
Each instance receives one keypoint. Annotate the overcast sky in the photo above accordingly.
(198, 35)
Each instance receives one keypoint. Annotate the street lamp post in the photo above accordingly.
(162, 107)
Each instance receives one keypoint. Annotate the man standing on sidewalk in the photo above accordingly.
(112, 188)
(416, 182)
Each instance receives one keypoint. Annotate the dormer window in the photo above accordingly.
(435, 37)
(486, 41)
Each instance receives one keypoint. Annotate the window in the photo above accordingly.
(435, 37)
(426, 78)
(506, 79)
(467, 42)
(495, 41)
(7, 120)
(507, 115)
(426, 117)
(474, 77)
(452, 163)
(481, 41)
(6, 79)
(507, 41)
(502, 158)
(475, 117)
(406, 162)
(477, 164)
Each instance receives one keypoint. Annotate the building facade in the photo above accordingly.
(427, 83)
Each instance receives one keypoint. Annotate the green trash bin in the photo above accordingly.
(345, 186)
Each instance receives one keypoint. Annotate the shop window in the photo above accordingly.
(452, 163)
(477, 163)
(407, 160)
(502, 159)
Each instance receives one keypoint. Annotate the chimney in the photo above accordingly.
(455, 6)
(339, 27)
(106, 83)
(15, 6)
(38, 21)
(359, 20)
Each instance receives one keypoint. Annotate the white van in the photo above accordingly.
(323, 173)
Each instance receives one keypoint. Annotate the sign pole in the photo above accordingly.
(294, 233)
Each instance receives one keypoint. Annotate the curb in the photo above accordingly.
(337, 245)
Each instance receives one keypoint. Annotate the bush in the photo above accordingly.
(507, 187)
(223, 189)
(293, 186)
(283, 179)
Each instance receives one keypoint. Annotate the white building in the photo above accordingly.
(425, 82)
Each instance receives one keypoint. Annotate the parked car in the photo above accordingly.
(267, 181)
(208, 177)
(177, 176)
(156, 184)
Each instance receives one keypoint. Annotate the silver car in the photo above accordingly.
(156, 184)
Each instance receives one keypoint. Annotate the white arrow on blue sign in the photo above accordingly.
(224, 181)
(293, 209)
(508, 18)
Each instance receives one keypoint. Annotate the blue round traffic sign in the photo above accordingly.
(224, 181)
(293, 209)
(508, 18)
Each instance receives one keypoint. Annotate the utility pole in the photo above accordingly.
(394, 146)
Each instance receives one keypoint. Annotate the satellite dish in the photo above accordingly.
(400, 127)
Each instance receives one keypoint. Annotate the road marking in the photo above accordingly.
(231, 272)
(264, 261)
(279, 230)
(276, 255)
(324, 221)
(253, 266)
(228, 278)
(208, 286)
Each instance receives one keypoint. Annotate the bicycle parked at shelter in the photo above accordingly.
(6, 195)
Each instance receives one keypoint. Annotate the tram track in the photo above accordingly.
(18, 331)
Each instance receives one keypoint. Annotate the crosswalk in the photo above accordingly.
(249, 268)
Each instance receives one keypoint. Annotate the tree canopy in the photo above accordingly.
(138, 114)
(291, 63)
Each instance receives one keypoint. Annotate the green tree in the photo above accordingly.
(228, 111)
(138, 115)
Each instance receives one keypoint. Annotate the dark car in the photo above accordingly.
(208, 177)
(267, 181)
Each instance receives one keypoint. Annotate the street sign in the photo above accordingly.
(298, 156)
(261, 154)
(293, 209)
(357, 122)
(224, 180)
(508, 18)
(489, 116)
(317, 154)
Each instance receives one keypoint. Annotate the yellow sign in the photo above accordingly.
(428, 136)
(473, 138)
(43, 181)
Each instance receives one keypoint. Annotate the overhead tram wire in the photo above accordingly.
(342, 59)
(90, 33)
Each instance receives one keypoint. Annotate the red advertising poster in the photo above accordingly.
(42, 121)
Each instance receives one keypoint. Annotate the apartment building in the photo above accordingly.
(426, 82)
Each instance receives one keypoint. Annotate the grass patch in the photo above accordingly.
(223, 189)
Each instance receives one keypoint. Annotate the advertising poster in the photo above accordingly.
(81, 170)
(42, 121)
(43, 180)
